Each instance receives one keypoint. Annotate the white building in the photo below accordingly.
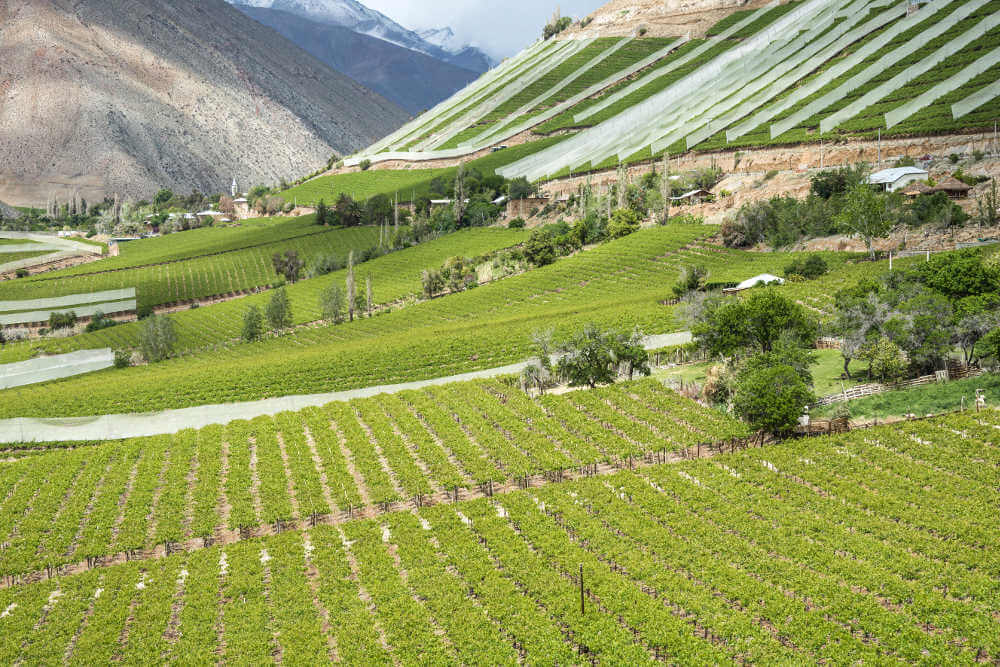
(762, 279)
(897, 178)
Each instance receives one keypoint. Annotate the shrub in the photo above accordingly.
(144, 312)
(886, 361)
(540, 248)
(21, 273)
(516, 223)
(809, 267)
(123, 358)
(99, 321)
(365, 164)
(325, 264)
(332, 304)
(623, 222)
(954, 158)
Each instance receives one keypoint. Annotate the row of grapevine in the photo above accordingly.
(858, 547)
(67, 507)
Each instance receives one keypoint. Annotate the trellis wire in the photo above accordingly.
(69, 300)
(896, 116)
(910, 73)
(862, 55)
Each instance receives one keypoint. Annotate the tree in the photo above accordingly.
(460, 195)
(922, 327)
(991, 345)
(692, 279)
(369, 295)
(253, 325)
(959, 274)
(886, 361)
(288, 265)
(279, 310)
(331, 304)
(162, 198)
(866, 213)
(771, 399)
(520, 188)
(624, 221)
(988, 206)
(586, 359)
(756, 323)
(157, 338)
(628, 351)
(810, 267)
(322, 213)
(351, 286)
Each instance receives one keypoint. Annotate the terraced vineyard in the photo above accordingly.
(166, 276)
(876, 546)
(619, 284)
(797, 72)
(394, 277)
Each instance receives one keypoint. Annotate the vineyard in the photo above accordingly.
(799, 72)
(876, 546)
(216, 272)
(619, 284)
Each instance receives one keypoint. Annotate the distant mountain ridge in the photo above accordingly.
(104, 97)
(355, 16)
(414, 81)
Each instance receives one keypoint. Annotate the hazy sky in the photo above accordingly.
(499, 28)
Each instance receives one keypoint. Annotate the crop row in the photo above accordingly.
(817, 568)
(77, 505)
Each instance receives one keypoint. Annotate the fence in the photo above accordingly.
(954, 372)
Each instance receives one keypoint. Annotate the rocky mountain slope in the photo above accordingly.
(9, 212)
(125, 96)
(412, 80)
(359, 18)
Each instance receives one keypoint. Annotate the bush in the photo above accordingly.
(157, 338)
(886, 361)
(540, 248)
(365, 164)
(144, 312)
(123, 358)
(21, 273)
(954, 158)
(810, 267)
(516, 223)
(325, 264)
(99, 321)
(332, 304)
(623, 222)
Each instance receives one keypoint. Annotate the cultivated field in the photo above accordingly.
(871, 547)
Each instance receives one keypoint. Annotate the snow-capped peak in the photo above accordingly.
(353, 15)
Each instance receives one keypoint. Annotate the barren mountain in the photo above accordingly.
(412, 80)
(8, 212)
(126, 96)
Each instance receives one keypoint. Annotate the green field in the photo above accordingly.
(618, 284)
(873, 547)
(395, 277)
(168, 281)
(11, 257)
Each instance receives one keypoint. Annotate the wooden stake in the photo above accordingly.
(582, 607)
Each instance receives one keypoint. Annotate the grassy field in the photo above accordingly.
(10, 257)
(928, 399)
(870, 547)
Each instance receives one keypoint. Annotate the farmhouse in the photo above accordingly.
(897, 178)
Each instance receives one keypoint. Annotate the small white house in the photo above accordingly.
(897, 178)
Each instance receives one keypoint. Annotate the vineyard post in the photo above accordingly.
(582, 608)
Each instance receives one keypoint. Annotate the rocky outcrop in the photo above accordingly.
(8, 212)
(126, 96)
(658, 18)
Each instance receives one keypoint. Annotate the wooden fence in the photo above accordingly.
(954, 372)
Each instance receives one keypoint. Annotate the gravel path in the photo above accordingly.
(117, 427)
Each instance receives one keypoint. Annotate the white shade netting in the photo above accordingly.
(70, 300)
(54, 368)
(976, 100)
(37, 316)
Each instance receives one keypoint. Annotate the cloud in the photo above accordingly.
(500, 29)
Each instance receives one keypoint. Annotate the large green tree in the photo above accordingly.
(772, 398)
(867, 213)
(753, 323)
